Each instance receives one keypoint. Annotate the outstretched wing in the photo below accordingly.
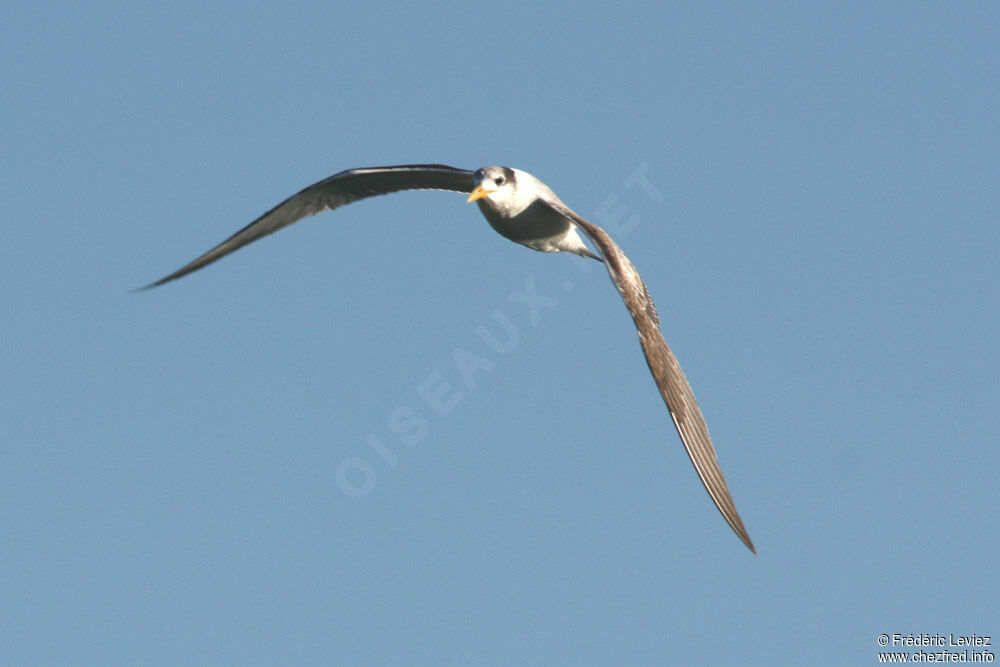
(667, 373)
(333, 192)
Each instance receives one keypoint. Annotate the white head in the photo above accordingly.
(497, 183)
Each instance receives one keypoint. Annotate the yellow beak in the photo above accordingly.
(479, 193)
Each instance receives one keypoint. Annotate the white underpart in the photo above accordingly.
(508, 203)
(568, 242)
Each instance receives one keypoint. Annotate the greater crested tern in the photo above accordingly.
(525, 210)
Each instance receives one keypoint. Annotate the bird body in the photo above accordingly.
(524, 210)
(520, 209)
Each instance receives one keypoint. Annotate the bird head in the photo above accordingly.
(492, 181)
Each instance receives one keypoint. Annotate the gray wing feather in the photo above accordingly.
(670, 379)
(334, 192)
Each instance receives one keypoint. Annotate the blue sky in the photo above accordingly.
(823, 256)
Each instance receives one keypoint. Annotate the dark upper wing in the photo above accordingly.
(670, 379)
(330, 193)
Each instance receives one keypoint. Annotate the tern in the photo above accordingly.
(523, 209)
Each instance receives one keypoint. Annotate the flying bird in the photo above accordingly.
(523, 209)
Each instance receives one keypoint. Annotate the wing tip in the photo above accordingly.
(736, 523)
(146, 288)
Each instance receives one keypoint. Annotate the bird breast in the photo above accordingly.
(532, 226)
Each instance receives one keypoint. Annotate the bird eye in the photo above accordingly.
(498, 180)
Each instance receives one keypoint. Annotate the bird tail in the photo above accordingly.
(584, 252)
